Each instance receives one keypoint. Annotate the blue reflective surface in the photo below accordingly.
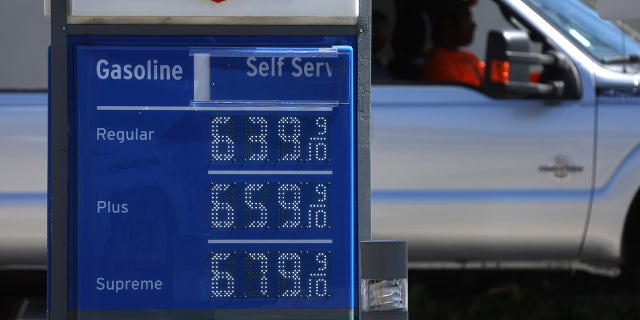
(242, 197)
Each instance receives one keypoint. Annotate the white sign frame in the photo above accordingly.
(342, 12)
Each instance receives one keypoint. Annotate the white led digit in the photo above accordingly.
(318, 280)
(289, 197)
(289, 133)
(222, 213)
(259, 138)
(222, 146)
(261, 274)
(317, 150)
(318, 210)
(222, 282)
(256, 210)
(320, 218)
(289, 268)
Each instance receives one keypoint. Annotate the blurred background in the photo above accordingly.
(434, 294)
(25, 38)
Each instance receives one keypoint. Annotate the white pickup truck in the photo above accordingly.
(511, 172)
(521, 172)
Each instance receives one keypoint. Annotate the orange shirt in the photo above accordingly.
(446, 65)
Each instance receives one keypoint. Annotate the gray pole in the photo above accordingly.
(364, 128)
(58, 166)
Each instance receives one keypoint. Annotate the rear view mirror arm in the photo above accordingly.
(551, 58)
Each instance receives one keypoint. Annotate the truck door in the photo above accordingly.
(461, 175)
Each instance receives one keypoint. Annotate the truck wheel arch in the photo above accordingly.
(631, 235)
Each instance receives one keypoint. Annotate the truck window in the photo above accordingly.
(402, 58)
(614, 45)
(409, 38)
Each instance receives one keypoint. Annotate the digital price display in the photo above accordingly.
(217, 179)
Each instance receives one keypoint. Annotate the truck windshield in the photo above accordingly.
(603, 40)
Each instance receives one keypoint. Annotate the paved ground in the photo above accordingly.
(22, 294)
(522, 295)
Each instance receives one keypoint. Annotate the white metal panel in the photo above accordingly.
(197, 11)
(619, 9)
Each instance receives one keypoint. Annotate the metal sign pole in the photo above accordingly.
(57, 276)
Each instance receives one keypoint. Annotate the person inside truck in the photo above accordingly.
(379, 36)
(452, 27)
(408, 40)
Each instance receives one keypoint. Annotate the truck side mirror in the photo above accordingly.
(507, 69)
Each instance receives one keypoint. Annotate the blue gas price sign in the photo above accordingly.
(213, 179)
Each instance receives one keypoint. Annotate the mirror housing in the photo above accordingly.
(507, 73)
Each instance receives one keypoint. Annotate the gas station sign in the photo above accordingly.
(214, 177)
(208, 159)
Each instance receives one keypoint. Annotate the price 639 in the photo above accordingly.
(269, 138)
